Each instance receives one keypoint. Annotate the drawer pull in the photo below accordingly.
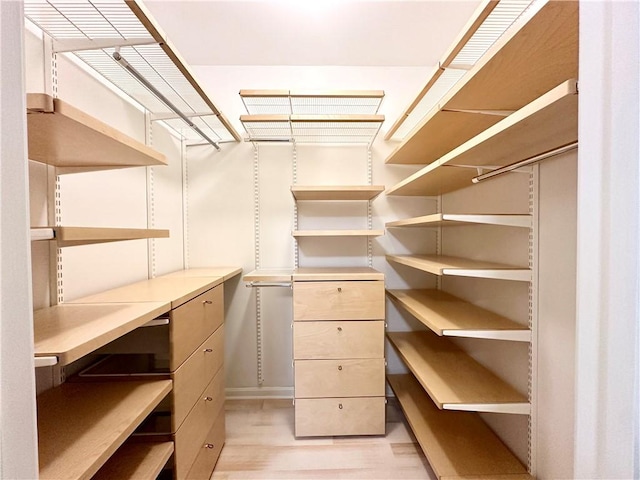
(340, 367)
(339, 329)
(209, 445)
(340, 406)
(207, 302)
(339, 289)
(208, 350)
(208, 399)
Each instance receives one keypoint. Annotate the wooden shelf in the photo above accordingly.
(536, 54)
(225, 272)
(310, 274)
(63, 136)
(545, 124)
(450, 219)
(337, 233)
(340, 193)
(70, 331)
(453, 380)
(456, 444)
(450, 316)
(269, 275)
(462, 267)
(72, 236)
(136, 460)
(80, 425)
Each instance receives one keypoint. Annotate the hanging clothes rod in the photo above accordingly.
(138, 76)
(525, 162)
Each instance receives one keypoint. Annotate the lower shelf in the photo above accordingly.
(81, 425)
(457, 444)
(136, 460)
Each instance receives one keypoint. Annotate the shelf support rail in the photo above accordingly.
(138, 76)
(525, 162)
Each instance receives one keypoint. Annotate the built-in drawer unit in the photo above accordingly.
(340, 378)
(340, 416)
(335, 340)
(209, 451)
(342, 300)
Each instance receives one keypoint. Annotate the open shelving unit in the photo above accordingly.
(537, 53)
(136, 460)
(452, 219)
(449, 316)
(336, 193)
(72, 236)
(80, 425)
(462, 267)
(453, 380)
(457, 444)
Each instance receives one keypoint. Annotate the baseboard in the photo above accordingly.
(258, 392)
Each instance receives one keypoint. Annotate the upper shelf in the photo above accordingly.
(547, 123)
(462, 267)
(63, 136)
(72, 236)
(339, 193)
(536, 54)
(453, 379)
(452, 219)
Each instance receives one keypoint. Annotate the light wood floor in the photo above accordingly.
(261, 445)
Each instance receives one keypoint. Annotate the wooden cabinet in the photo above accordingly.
(338, 350)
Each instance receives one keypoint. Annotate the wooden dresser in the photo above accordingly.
(338, 350)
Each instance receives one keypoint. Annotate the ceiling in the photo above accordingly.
(390, 45)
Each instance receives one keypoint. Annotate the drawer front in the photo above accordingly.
(355, 300)
(339, 378)
(334, 340)
(193, 376)
(207, 457)
(193, 322)
(193, 432)
(317, 417)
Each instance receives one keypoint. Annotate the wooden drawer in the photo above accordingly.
(193, 322)
(207, 457)
(334, 340)
(193, 432)
(340, 416)
(355, 300)
(339, 378)
(193, 376)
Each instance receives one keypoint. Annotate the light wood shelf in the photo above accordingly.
(340, 193)
(545, 124)
(307, 274)
(451, 219)
(272, 275)
(69, 331)
(337, 233)
(462, 267)
(453, 380)
(225, 272)
(447, 315)
(80, 425)
(536, 54)
(457, 444)
(136, 460)
(72, 236)
(63, 136)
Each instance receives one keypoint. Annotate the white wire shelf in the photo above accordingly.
(93, 31)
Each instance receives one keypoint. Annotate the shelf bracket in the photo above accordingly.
(79, 45)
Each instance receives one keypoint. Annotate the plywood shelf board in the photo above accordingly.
(456, 444)
(70, 331)
(64, 136)
(306, 274)
(453, 379)
(545, 124)
(536, 54)
(72, 236)
(337, 193)
(80, 425)
(448, 315)
(446, 265)
(337, 233)
(449, 219)
(269, 275)
(136, 460)
(226, 273)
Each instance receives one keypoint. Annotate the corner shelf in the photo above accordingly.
(80, 425)
(545, 124)
(72, 236)
(535, 55)
(337, 233)
(136, 460)
(450, 316)
(336, 193)
(462, 267)
(457, 444)
(63, 136)
(69, 331)
(450, 219)
(453, 380)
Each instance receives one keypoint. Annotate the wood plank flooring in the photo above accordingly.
(261, 445)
